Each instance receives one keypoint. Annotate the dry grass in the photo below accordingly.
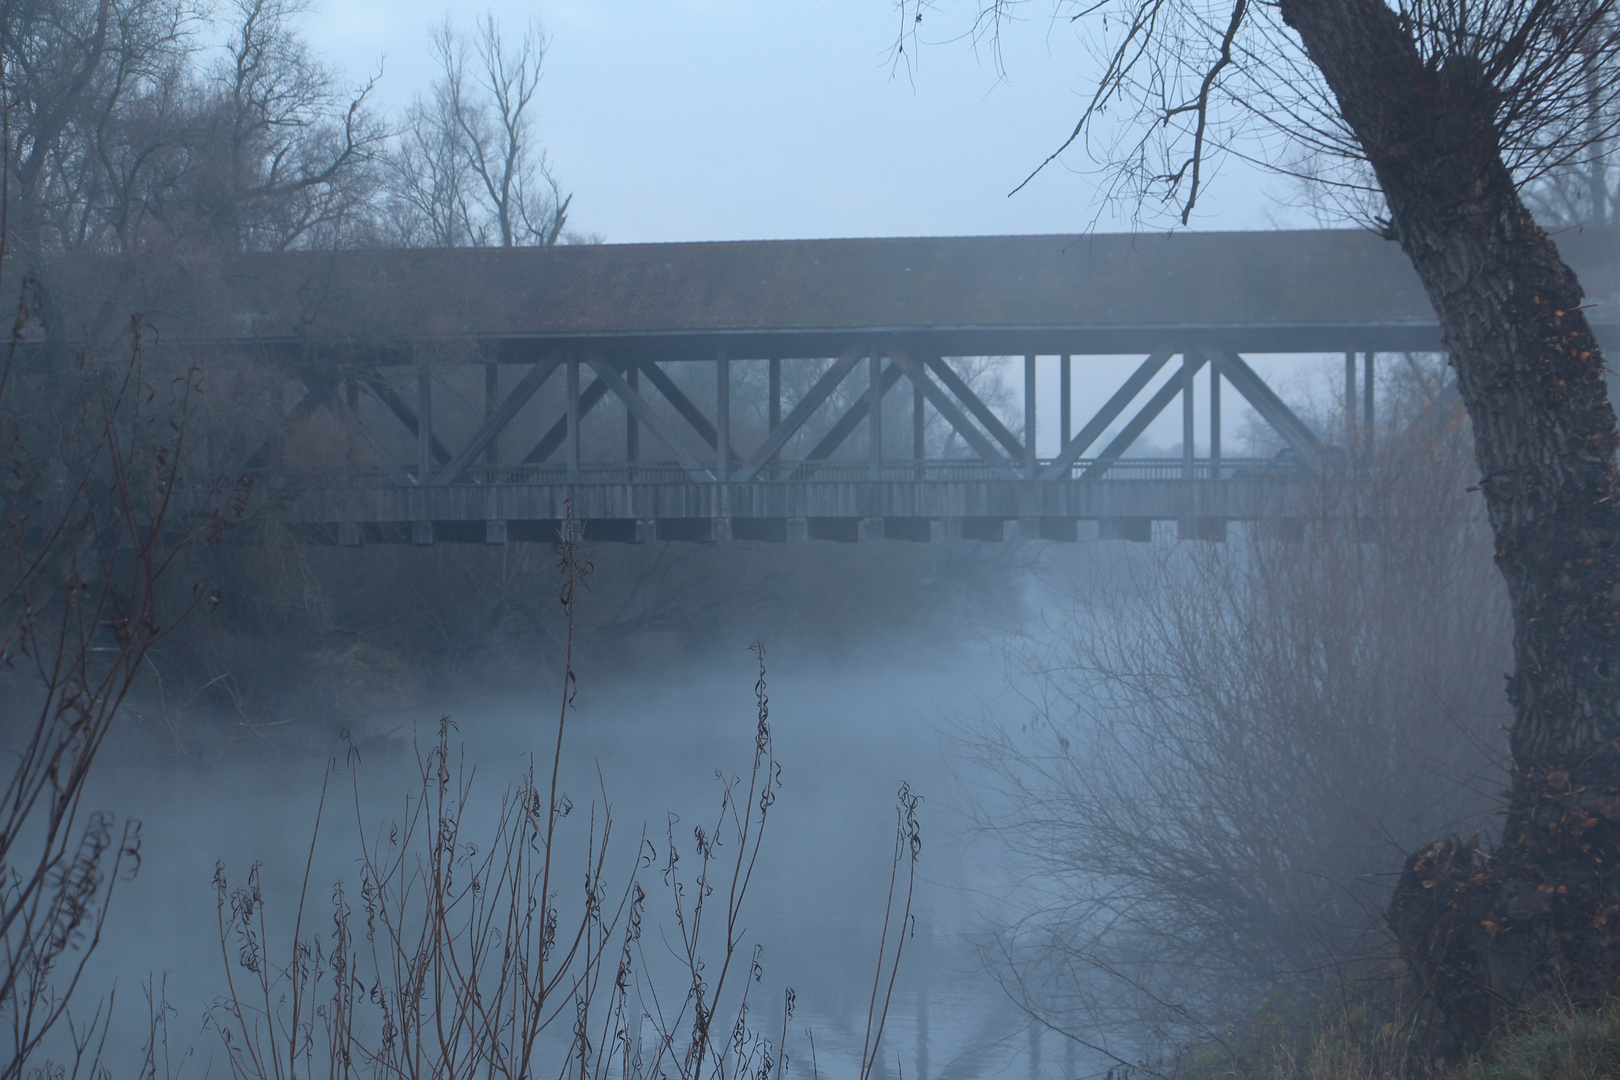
(1551, 1043)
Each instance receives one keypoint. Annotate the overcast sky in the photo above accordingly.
(757, 119)
(770, 119)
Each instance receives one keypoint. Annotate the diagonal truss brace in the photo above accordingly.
(1110, 412)
(683, 404)
(407, 416)
(801, 413)
(846, 424)
(644, 412)
(1190, 363)
(1271, 408)
(976, 406)
(917, 372)
(589, 399)
(519, 397)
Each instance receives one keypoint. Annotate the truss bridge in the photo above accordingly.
(793, 390)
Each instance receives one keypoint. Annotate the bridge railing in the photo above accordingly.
(852, 471)
(1091, 470)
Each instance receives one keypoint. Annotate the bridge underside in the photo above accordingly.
(841, 510)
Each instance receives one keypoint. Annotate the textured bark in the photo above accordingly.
(1483, 934)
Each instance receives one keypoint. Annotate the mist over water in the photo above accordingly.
(848, 729)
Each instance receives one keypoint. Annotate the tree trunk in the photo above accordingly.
(1483, 935)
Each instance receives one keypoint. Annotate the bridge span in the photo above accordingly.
(823, 389)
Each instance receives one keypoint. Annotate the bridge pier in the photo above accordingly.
(1138, 530)
(1024, 529)
(1060, 530)
(1202, 528)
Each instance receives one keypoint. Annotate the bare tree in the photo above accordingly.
(469, 170)
(69, 66)
(1226, 752)
(93, 511)
(1451, 106)
(118, 140)
(284, 154)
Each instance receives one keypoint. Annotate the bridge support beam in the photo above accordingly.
(424, 427)
(1065, 400)
(722, 415)
(1367, 418)
(1030, 472)
(1189, 414)
(874, 412)
(574, 416)
(492, 391)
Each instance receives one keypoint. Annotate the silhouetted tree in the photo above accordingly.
(1451, 106)
(118, 141)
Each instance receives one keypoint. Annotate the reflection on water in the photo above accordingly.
(846, 735)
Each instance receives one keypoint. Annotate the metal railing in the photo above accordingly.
(895, 471)
(1154, 469)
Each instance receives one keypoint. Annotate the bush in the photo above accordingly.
(1225, 754)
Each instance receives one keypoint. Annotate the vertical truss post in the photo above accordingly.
(1350, 399)
(1214, 419)
(277, 458)
(919, 428)
(632, 426)
(610, 380)
(775, 417)
(571, 438)
(424, 427)
(722, 414)
(492, 393)
(874, 412)
(351, 427)
(1271, 408)
(1367, 406)
(1189, 416)
(1030, 459)
(1065, 400)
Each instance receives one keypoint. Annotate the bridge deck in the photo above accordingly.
(837, 502)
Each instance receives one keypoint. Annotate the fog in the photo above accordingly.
(848, 730)
(310, 411)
